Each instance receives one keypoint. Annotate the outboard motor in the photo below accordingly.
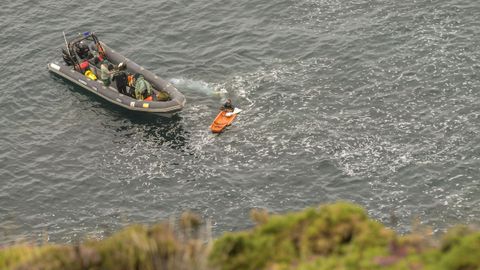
(66, 57)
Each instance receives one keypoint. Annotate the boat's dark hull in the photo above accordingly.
(111, 94)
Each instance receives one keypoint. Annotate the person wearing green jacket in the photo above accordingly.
(143, 88)
(106, 71)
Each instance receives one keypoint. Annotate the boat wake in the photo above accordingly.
(198, 86)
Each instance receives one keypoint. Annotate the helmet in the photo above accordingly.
(82, 46)
(122, 66)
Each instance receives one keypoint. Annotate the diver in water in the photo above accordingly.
(227, 106)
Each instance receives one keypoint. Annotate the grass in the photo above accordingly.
(334, 236)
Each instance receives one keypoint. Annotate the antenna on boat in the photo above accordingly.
(68, 50)
(65, 38)
(66, 44)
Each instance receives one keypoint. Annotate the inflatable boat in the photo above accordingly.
(83, 69)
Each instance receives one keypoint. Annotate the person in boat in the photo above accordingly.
(143, 88)
(106, 72)
(82, 50)
(93, 48)
(94, 59)
(121, 78)
(227, 106)
(93, 54)
(86, 56)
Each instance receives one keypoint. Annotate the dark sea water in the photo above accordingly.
(373, 102)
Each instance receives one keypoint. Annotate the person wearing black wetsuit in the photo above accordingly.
(227, 106)
(121, 78)
(82, 50)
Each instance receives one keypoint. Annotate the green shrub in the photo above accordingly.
(337, 236)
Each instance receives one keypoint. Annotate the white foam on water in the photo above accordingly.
(197, 86)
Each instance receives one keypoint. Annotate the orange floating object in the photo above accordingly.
(222, 121)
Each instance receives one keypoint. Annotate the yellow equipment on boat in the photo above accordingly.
(89, 74)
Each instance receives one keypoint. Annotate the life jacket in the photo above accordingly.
(130, 80)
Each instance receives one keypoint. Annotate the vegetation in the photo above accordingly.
(136, 247)
(336, 236)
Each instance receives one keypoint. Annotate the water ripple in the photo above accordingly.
(372, 102)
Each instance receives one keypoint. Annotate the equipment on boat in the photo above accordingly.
(89, 74)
